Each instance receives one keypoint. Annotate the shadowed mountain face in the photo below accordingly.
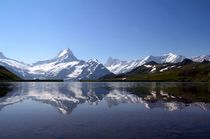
(66, 97)
(6, 75)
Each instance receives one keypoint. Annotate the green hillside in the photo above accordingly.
(6, 75)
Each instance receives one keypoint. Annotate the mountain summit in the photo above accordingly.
(66, 55)
(172, 58)
(117, 66)
(166, 58)
(201, 58)
(64, 66)
(67, 67)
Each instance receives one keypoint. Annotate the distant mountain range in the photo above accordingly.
(66, 66)
(117, 66)
(186, 70)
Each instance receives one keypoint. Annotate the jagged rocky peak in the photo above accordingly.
(66, 54)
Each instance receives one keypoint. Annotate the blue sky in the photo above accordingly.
(32, 30)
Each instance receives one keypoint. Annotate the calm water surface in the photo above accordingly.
(104, 110)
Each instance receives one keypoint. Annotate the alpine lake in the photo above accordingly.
(104, 110)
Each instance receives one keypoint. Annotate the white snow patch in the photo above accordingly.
(153, 69)
(148, 66)
(76, 72)
(164, 69)
(63, 53)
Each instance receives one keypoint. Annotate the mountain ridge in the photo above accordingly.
(118, 66)
(64, 66)
(6, 75)
(187, 70)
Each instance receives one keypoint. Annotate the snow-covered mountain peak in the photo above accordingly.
(151, 58)
(63, 66)
(148, 57)
(117, 66)
(205, 56)
(173, 58)
(66, 54)
(166, 58)
(201, 58)
(63, 56)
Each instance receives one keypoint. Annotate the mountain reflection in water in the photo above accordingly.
(65, 97)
